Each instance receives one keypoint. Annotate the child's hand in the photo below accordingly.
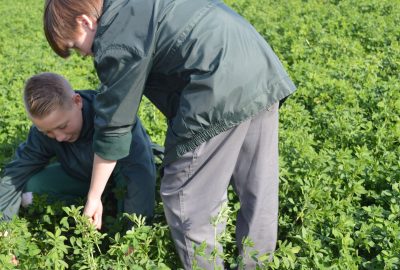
(26, 199)
(94, 210)
(14, 260)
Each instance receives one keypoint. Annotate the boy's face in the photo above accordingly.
(63, 124)
(86, 32)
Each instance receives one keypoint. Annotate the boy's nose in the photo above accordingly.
(60, 137)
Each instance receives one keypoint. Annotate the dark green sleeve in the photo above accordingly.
(30, 157)
(123, 74)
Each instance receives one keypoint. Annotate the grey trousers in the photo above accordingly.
(194, 188)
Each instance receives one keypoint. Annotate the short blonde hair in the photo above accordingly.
(60, 21)
(46, 92)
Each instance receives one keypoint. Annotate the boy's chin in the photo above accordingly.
(72, 139)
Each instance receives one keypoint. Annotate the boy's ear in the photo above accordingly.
(77, 100)
(86, 22)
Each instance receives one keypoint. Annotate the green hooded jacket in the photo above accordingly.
(204, 66)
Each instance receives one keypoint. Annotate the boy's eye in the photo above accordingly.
(63, 126)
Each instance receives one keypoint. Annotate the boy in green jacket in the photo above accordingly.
(219, 85)
(63, 129)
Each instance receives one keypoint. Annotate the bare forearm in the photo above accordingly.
(102, 170)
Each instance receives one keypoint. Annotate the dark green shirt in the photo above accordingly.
(204, 66)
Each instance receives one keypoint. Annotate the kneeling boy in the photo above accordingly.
(63, 129)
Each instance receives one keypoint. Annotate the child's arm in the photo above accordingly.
(30, 157)
(116, 107)
(102, 170)
(123, 76)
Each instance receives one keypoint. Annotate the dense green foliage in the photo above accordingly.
(340, 133)
(339, 142)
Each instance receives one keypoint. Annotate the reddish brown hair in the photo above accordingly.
(60, 21)
(46, 92)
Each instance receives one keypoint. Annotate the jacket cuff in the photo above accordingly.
(111, 147)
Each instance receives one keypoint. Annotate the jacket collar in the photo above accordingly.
(87, 115)
(110, 10)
